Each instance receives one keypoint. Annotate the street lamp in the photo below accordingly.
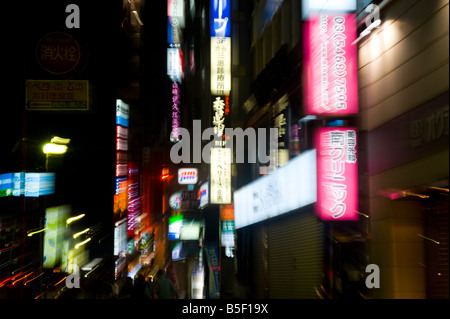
(57, 145)
(51, 148)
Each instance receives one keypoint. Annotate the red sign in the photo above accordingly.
(337, 173)
(330, 64)
(58, 53)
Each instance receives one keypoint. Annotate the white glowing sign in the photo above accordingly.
(288, 188)
(187, 176)
(220, 176)
(218, 118)
(174, 64)
(220, 65)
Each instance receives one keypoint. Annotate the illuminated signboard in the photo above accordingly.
(175, 224)
(6, 184)
(190, 230)
(175, 12)
(227, 212)
(175, 200)
(134, 197)
(330, 64)
(121, 195)
(57, 95)
(28, 184)
(227, 233)
(175, 64)
(176, 113)
(122, 113)
(220, 18)
(39, 184)
(227, 230)
(187, 176)
(120, 236)
(337, 173)
(220, 65)
(220, 176)
(315, 6)
(19, 184)
(55, 230)
(288, 188)
(203, 195)
(218, 118)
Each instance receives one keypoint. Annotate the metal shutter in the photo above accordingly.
(259, 260)
(295, 256)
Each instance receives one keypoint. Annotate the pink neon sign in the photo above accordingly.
(330, 64)
(337, 173)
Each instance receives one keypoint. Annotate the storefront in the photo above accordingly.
(279, 236)
(403, 72)
(409, 202)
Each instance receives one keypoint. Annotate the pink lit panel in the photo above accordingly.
(330, 64)
(337, 173)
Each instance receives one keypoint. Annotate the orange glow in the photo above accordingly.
(165, 174)
(20, 279)
(10, 278)
(227, 212)
(60, 281)
(26, 282)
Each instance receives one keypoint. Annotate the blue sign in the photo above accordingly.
(119, 181)
(6, 181)
(122, 113)
(212, 256)
(28, 184)
(220, 18)
(6, 184)
(19, 184)
(39, 184)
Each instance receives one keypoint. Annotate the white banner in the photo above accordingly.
(220, 190)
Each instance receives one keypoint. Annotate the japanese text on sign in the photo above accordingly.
(337, 174)
(57, 95)
(330, 72)
(220, 176)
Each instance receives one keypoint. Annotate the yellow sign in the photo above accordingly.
(57, 95)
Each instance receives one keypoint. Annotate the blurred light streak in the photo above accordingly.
(81, 233)
(20, 279)
(56, 284)
(4, 250)
(8, 279)
(36, 277)
(60, 140)
(36, 232)
(72, 219)
(428, 238)
(82, 243)
(362, 214)
(21, 268)
(4, 264)
(439, 188)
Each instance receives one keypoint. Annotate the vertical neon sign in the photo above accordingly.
(337, 173)
(220, 18)
(330, 64)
